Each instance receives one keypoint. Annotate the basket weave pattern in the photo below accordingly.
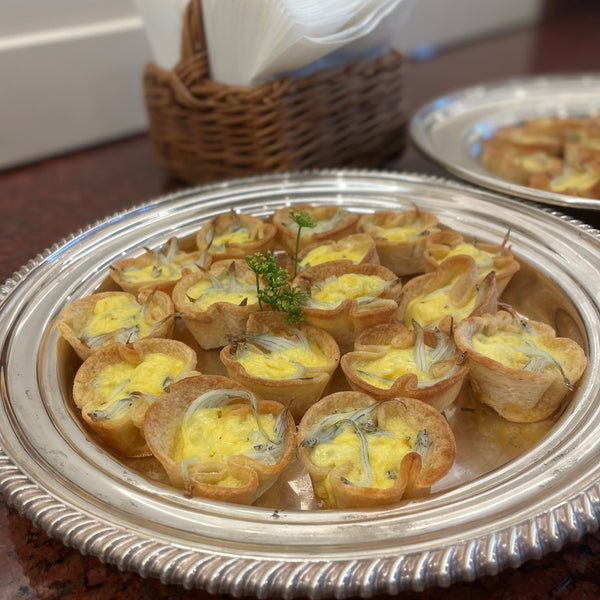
(202, 130)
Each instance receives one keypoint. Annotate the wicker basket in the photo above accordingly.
(202, 130)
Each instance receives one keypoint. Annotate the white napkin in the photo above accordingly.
(163, 21)
(252, 41)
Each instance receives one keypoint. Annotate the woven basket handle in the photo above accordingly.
(193, 40)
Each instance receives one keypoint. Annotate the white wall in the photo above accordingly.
(442, 22)
(71, 73)
(71, 70)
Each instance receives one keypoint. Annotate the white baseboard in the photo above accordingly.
(68, 88)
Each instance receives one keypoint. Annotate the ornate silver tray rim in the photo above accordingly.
(74, 491)
(448, 129)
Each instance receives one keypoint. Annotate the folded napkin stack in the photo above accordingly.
(253, 41)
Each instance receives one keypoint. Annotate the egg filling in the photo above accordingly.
(519, 350)
(164, 265)
(116, 318)
(576, 180)
(226, 288)
(483, 259)
(371, 455)
(538, 161)
(213, 432)
(429, 309)
(286, 362)
(119, 385)
(403, 233)
(237, 236)
(346, 250)
(333, 291)
(382, 372)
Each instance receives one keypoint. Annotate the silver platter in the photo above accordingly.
(65, 483)
(449, 129)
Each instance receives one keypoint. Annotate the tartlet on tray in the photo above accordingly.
(447, 295)
(361, 453)
(114, 387)
(235, 235)
(345, 299)
(519, 367)
(283, 363)
(216, 440)
(332, 223)
(441, 245)
(391, 361)
(400, 237)
(157, 269)
(98, 320)
(216, 304)
(357, 248)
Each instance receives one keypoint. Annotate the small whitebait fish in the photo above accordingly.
(123, 335)
(269, 452)
(540, 359)
(422, 444)
(113, 410)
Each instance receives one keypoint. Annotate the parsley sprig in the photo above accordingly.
(278, 293)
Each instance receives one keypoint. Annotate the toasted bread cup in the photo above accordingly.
(400, 238)
(516, 164)
(488, 257)
(391, 361)
(356, 248)
(518, 367)
(278, 362)
(582, 181)
(114, 387)
(346, 299)
(526, 141)
(95, 321)
(216, 304)
(234, 236)
(332, 223)
(157, 269)
(361, 453)
(216, 440)
(561, 127)
(447, 295)
(583, 146)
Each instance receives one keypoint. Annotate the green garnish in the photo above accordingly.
(302, 219)
(278, 293)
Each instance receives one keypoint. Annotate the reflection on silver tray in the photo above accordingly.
(530, 502)
(449, 129)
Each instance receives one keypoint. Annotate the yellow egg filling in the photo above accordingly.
(403, 233)
(483, 259)
(215, 434)
(572, 179)
(534, 162)
(204, 293)
(239, 236)
(155, 272)
(429, 309)
(326, 253)
(281, 364)
(385, 452)
(383, 371)
(348, 286)
(151, 376)
(515, 349)
(114, 313)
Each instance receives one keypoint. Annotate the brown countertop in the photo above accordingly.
(42, 203)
